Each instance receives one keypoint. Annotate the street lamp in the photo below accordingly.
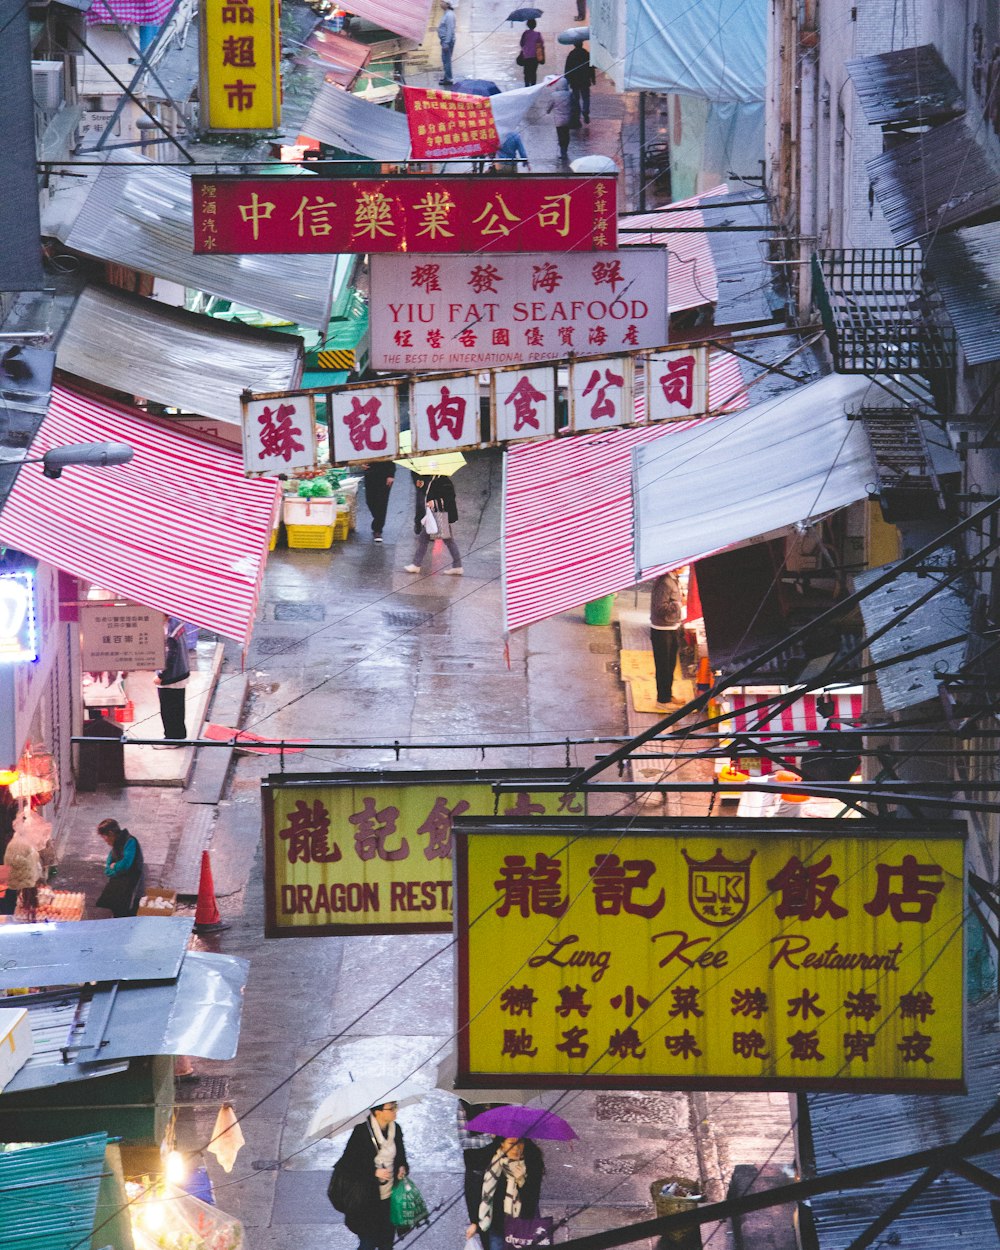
(58, 458)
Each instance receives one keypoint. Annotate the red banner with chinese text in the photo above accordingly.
(444, 123)
(404, 214)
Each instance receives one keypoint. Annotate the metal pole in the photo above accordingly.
(642, 151)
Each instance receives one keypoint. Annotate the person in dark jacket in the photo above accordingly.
(172, 680)
(581, 77)
(376, 1158)
(437, 493)
(124, 869)
(378, 480)
(666, 616)
(505, 1181)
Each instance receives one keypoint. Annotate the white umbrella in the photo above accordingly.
(594, 165)
(575, 34)
(349, 1104)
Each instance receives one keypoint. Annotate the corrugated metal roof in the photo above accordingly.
(142, 948)
(909, 85)
(140, 215)
(403, 17)
(347, 122)
(946, 178)
(851, 1130)
(946, 616)
(343, 58)
(48, 1194)
(965, 267)
(182, 359)
(57, 1019)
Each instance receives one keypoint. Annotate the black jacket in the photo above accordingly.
(439, 491)
(358, 1160)
(476, 1163)
(579, 71)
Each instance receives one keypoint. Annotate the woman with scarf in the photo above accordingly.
(375, 1157)
(507, 1181)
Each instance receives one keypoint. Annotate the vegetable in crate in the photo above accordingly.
(318, 488)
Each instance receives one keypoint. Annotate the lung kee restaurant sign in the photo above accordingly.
(705, 954)
(372, 852)
(455, 312)
(404, 214)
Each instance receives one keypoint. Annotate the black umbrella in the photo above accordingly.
(475, 86)
(522, 15)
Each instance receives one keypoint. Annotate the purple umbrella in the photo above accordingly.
(516, 1121)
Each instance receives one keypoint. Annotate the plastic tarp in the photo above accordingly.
(715, 49)
(726, 481)
(181, 359)
(140, 215)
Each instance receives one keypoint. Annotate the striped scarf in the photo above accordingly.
(514, 1171)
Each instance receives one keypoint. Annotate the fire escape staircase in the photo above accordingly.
(907, 484)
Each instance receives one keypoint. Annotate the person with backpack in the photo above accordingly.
(361, 1186)
(666, 617)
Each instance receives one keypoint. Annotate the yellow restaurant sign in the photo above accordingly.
(372, 852)
(240, 74)
(711, 954)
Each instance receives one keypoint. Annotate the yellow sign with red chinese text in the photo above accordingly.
(240, 64)
(372, 852)
(711, 954)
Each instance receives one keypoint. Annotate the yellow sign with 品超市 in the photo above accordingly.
(372, 852)
(240, 65)
(711, 954)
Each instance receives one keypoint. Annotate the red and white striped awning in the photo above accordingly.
(179, 528)
(691, 275)
(797, 717)
(568, 524)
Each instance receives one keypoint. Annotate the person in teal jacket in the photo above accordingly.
(124, 869)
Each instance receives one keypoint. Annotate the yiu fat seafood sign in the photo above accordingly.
(710, 954)
(371, 852)
(484, 311)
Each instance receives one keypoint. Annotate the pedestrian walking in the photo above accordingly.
(561, 108)
(373, 1160)
(446, 33)
(510, 153)
(124, 868)
(532, 53)
(378, 478)
(666, 616)
(436, 513)
(24, 871)
(581, 10)
(581, 77)
(505, 1184)
(172, 679)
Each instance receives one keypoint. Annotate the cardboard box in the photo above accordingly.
(16, 1046)
(158, 903)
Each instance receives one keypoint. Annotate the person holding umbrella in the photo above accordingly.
(375, 1158)
(503, 1184)
(581, 77)
(532, 53)
(435, 502)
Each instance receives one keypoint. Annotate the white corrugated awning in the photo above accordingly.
(140, 215)
(403, 17)
(347, 121)
(181, 359)
(723, 482)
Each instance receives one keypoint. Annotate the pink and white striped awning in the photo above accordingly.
(179, 528)
(568, 524)
(691, 275)
(797, 717)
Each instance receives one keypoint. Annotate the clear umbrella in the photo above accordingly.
(349, 1104)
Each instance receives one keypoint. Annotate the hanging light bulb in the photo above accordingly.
(175, 1168)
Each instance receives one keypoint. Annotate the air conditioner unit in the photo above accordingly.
(47, 84)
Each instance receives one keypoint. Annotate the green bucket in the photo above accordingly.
(598, 611)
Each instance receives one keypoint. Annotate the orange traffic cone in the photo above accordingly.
(704, 681)
(206, 916)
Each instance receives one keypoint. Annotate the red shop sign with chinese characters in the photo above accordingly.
(404, 214)
(445, 123)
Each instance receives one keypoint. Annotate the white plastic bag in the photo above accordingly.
(430, 522)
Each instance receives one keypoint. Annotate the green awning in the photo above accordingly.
(324, 377)
(48, 1194)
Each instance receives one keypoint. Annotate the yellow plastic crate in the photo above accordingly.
(274, 539)
(312, 537)
(342, 527)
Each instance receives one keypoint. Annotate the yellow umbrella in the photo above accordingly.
(444, 464)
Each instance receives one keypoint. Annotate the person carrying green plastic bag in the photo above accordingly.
(407, 1208)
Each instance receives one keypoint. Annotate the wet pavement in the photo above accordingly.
(348, 647)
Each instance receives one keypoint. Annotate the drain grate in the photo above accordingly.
(406, 618)
(205, 1089)
(277, 646)
(631, 1109)
(287, 610)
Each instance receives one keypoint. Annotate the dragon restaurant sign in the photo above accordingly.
(710, 954)
(372, 852)
(478, 312)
